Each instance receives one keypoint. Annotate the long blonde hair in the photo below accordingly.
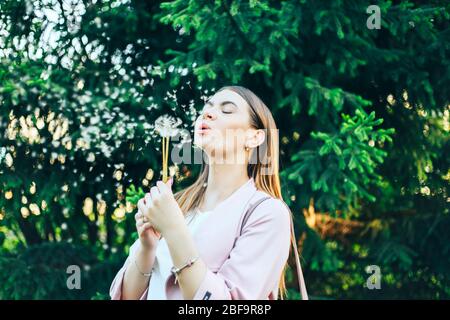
(260, 118)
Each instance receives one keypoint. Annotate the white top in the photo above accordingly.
(163, 261)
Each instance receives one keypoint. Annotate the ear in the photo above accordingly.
(256, 138)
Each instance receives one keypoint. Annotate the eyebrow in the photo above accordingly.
(223, 103)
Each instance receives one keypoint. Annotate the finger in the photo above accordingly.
(154, 192)
(163, 188)
(141, 206)
(139, 223)
(148, 199)
(144, 228)
(138, 215)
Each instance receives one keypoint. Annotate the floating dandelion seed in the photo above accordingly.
(2, 154)
(166, 126)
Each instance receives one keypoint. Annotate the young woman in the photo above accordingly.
(205, 242)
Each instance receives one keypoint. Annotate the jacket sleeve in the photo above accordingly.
(116, 287)
(256, 262)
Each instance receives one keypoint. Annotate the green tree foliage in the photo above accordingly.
(363, 117)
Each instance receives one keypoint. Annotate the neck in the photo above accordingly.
(223, 180)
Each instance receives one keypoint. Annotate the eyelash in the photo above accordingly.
(226, 112)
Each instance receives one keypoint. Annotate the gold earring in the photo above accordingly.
(247, 148)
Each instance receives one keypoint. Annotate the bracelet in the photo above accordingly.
(176, 271)
(143, 273)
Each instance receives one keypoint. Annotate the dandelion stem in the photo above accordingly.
(165, 156)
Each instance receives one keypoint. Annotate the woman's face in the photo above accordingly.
(223, 127)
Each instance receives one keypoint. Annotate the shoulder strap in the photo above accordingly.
(301, 280)
(250, 211)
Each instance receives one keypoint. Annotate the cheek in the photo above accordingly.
(237, 122)
(234, 138)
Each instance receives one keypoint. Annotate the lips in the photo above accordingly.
(203, 128)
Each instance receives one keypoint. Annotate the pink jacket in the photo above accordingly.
(249, 270)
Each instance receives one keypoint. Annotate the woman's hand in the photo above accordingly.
(147, 234)
(161, 209)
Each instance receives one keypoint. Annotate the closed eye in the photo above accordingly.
(226, 106)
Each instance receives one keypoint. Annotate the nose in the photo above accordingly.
(207, 114)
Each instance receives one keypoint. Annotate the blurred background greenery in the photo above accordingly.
(363, 117)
